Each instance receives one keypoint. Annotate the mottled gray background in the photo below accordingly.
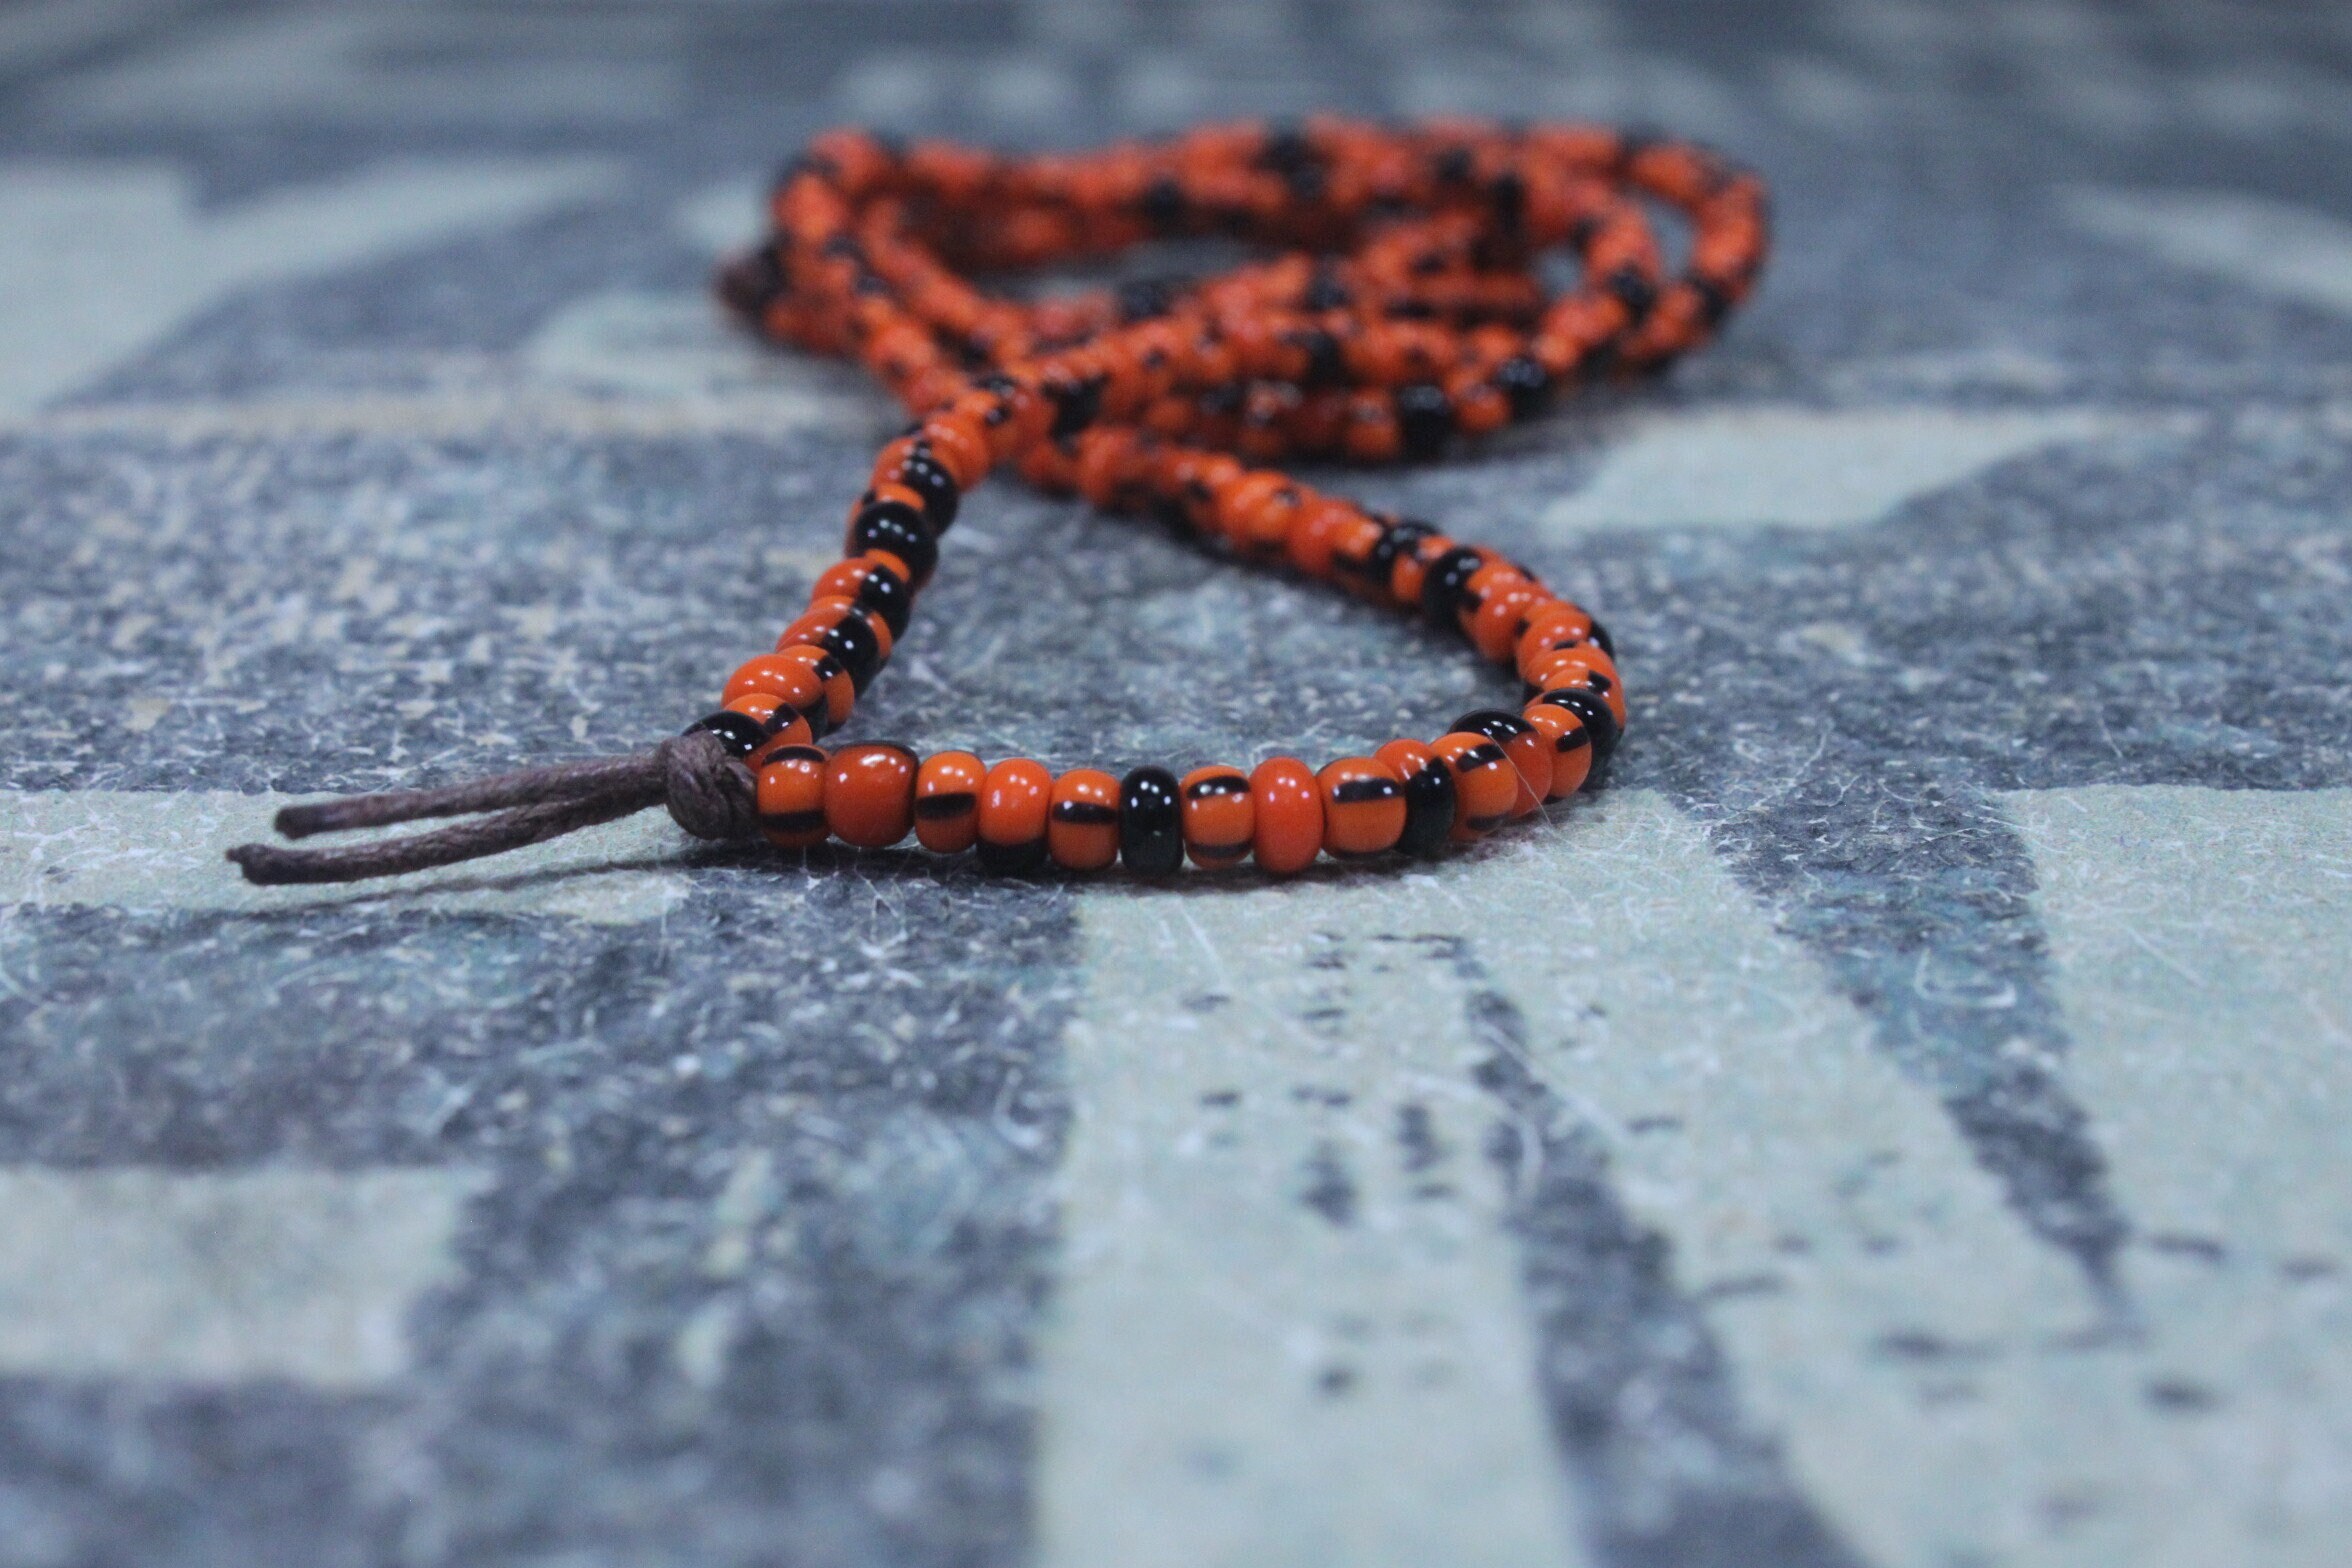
(1899, 1122)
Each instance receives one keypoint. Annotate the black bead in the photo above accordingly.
(1600, 637)
(1075, 405)
(1599, 722)
(1714, 298)
(1151, 823)
(1425, 417)
(1163, 203)
(1143, 299)
(923, 473)
(1012, 859)
(1399, 541)
(898, 528)
(1524, 382)
(819, 712)
(1429, 809)
(888, 595)
(1443, 581)
(1636, 290)
(741, 732)
(853, 642)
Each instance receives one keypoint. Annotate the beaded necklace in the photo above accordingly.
(1405, 307)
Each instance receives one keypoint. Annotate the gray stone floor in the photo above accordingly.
(1899, 1122)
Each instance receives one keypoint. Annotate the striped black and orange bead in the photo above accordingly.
(1429, 796)
(947, 801)
(791, 797)
(1218, 819)
(1363, 807)
(1529, 751)
(1486, 786)
(1082, 827)
(856, 637)
(1572, 754)
(875, 582)
(1015, 800)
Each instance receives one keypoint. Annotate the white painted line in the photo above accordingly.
(1931, 1370)
(155, 849)
(105, 259)
(307, 1275)
(1761, 467)
(1884, 1313)
(1288, 1330)
(2203, 942)
(2269, 246)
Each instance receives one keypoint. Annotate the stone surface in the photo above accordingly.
(1893, 1124)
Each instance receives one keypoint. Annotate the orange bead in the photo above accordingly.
(1363, 807)
(1486, 785)
(959, 444)
(1587, 668)
(759, 706)
(1015, 800)
(788, 680)
(1492, 578)
(1316, 534)
(947, 801)
(1219, 820)
(870, 794)
(1552, 626)
(1286, 805)
(1494, 628)
(1572, 751)
(791, 797)
(1082, 828)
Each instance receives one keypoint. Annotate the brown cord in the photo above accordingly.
(709, 792)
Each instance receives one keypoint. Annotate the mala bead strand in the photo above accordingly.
(1415, 318)
(1402, 309)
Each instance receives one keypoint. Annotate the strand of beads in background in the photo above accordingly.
(1406, 308)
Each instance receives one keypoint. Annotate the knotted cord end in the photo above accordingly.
(709, 793)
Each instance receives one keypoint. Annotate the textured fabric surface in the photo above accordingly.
(1900, 1121)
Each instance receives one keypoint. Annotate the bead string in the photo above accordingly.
(1405, 308)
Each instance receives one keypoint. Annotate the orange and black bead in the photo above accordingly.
(1218, 820)
(1363, 807)
(856, 637)
(791, 797)
(1015, 800)
(947, 801)
(875, 582)
(1599, 721)
(1572, 751)
(1429, 796)
(1082, 826)
(896, 525)
(1486, 786)
(1530, 753)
